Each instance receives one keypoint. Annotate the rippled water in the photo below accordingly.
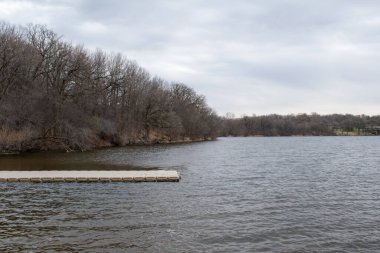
(296, 194)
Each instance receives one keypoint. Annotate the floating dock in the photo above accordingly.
(87, 176)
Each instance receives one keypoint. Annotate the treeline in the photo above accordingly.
(54, 94)
(301, 124)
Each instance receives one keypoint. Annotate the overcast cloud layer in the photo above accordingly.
(247, 57)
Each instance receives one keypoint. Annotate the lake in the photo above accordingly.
(254, 194)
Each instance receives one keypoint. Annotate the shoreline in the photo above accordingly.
(10, 153)
(284, 136)
(186, 140)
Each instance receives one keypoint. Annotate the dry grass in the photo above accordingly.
(13, 139)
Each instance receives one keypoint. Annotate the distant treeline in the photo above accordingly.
(54, 94)
(301, 124)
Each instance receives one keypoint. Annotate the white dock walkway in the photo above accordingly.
(90, 176)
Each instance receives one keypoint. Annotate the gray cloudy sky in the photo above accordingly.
(245, 56)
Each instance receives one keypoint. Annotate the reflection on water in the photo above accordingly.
(309, 194)
(95, 160)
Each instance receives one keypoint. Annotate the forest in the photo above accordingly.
(300, 124)
(55, 95)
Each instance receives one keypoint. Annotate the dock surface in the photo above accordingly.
(90, 176)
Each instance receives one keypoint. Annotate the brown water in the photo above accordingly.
(296, 194)
(95, 160)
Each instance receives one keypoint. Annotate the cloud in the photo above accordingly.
(245, 56)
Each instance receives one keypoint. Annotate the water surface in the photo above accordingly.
(286, 194)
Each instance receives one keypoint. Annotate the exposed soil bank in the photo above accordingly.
(23, 143)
